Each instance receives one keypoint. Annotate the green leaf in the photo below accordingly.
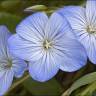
(50, 88)
(10, 3)
(9, 20)
(87, 79)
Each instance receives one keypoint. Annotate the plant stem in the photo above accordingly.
(17, 83)
(66, 93)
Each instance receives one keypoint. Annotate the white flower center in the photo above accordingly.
(5, 64)
(47, 44)
(8, 65)
(91, 29)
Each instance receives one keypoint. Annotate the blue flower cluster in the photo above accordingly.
(61, 41)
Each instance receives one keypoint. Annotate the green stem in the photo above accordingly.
(66, 93)
(18, 83)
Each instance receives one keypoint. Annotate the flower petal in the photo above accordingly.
(32, 28)
(75, 15)
(91, 11)
(77, 19)
(1, 73)
(24, 49)
(89, 43)
(19, 67)
(6, 81)
(73, 53)
(45, 68)
(55, 26)
(4, 35)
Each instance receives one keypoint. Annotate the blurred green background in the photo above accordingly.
(11, 13)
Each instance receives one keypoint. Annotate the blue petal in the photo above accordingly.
(91, 11)
(45, 68)
(32, 28)
(77, 19)
(4, 35)
(19, 66)
(90, 44)
(6, 81)
(75, 15)
(73, 53)
(1, 73)
(24, 49)
(56, 27)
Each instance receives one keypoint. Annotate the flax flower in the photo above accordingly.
(49, 44)
(10, 65)
(83, 22)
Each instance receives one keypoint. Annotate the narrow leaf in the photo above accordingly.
(87, 79)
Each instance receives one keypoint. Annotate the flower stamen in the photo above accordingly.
(9, 64)
(91, 30)
(47, 44)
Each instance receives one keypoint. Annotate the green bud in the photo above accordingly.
(36, 8)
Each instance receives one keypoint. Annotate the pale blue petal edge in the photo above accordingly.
(32, 27)
(6, 81)
(24, 49)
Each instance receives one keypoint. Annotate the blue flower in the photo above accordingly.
(10, 65)
(83, 22)
(48, 44)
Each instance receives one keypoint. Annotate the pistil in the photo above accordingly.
(47, 44)
(91, 29)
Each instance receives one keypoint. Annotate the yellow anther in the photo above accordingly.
(9, 64)
(90, 29)
(47, 44)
